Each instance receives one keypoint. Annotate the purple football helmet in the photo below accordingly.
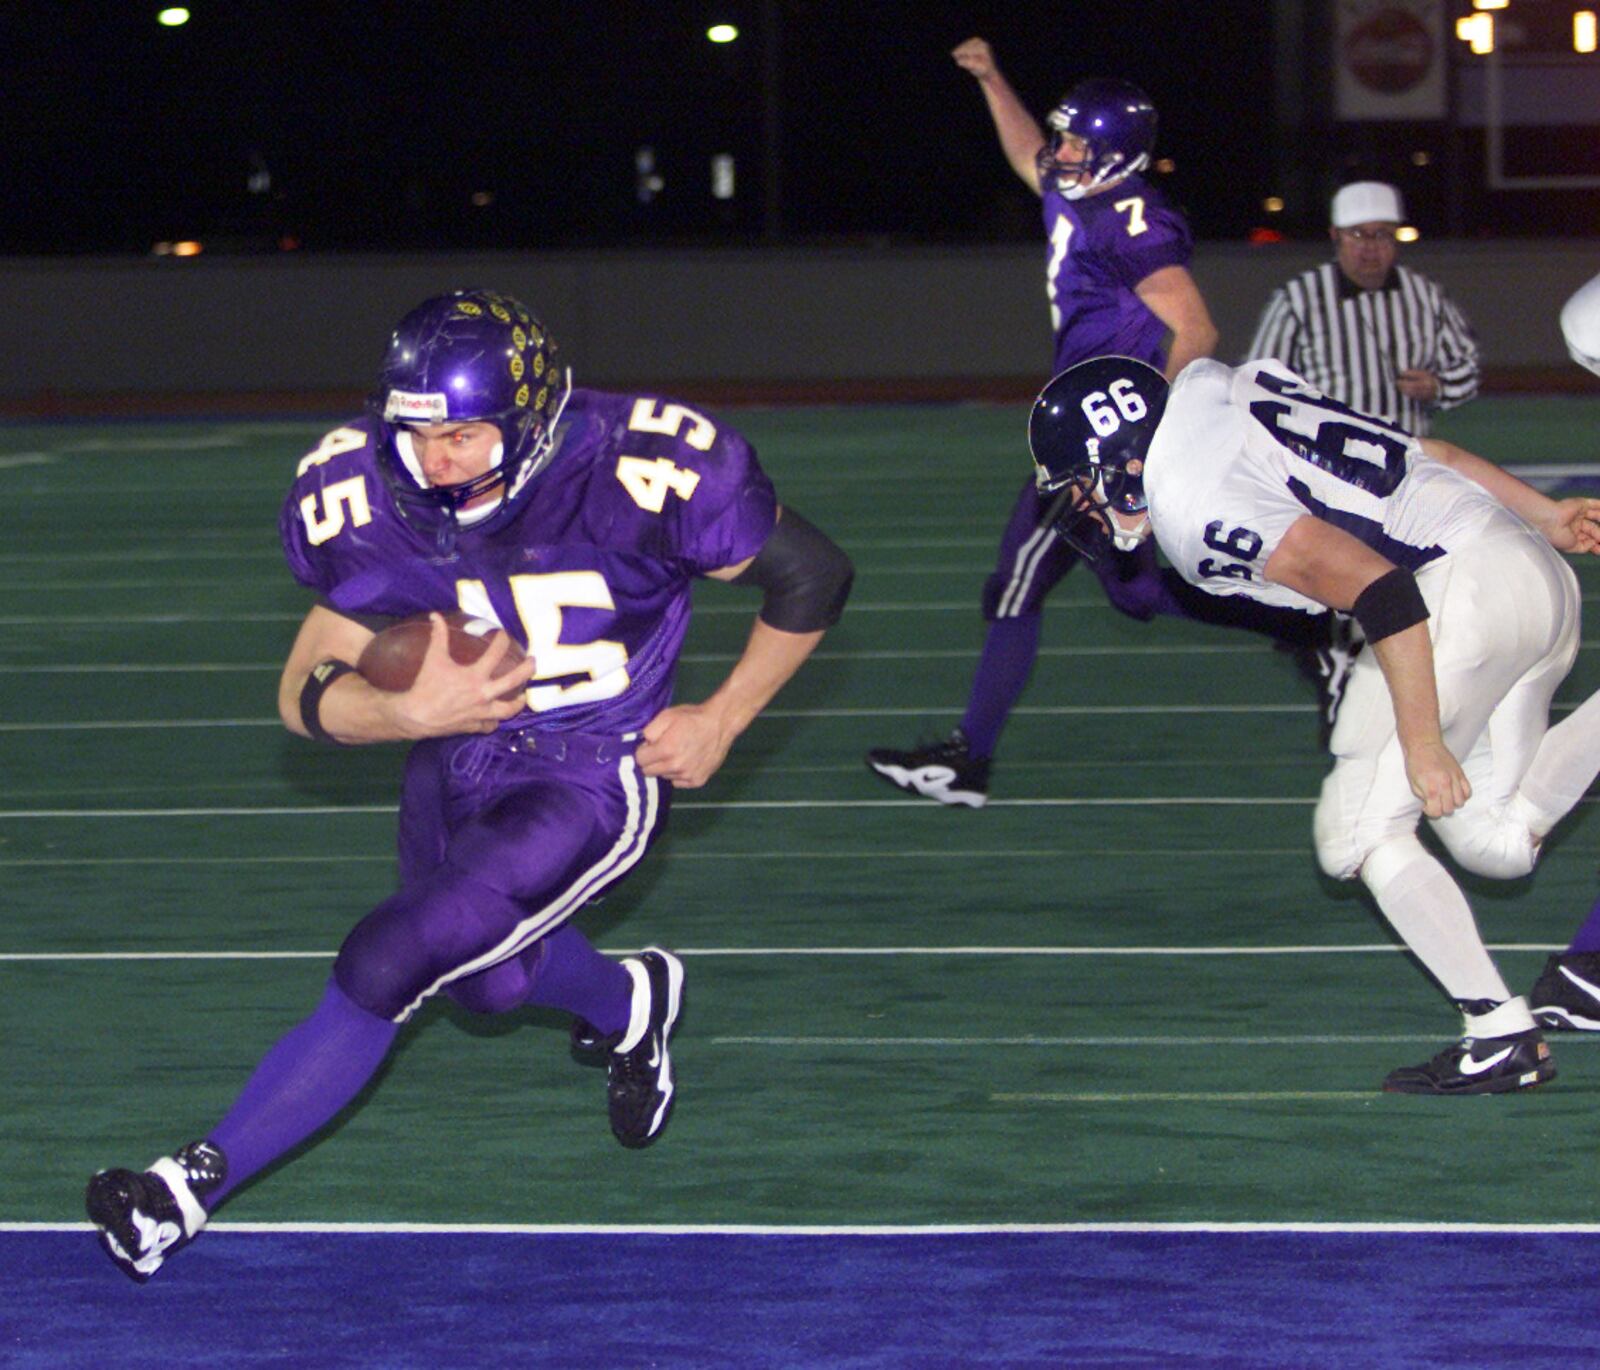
(469, 356)
(1089, 432)
(1117, 123)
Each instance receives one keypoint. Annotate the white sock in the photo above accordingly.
(1429, 911)
(1502, 1021)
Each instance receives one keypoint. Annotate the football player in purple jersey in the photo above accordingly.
(481, 480)
(1118, 279)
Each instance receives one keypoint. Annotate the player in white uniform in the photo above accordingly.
(1256, 484)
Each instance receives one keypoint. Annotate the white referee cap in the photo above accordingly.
(1367, 202)
(1580, 325)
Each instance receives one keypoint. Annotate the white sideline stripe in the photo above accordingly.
(943, 1043)
(832, 854)
(1177, 1097)
(694, 658)
(922, 711)
(1356, 949)
(708, 804)
(837, 1230)
(927, 711)
(688, 658)
(900, 606)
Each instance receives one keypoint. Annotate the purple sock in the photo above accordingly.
(1009, 650)
(1587, 938)
(310, 1073)
(572, 975)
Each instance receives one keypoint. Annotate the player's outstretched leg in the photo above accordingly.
(144, 1216)
(1566, 996)
(639, 1084)
(1501, 1048)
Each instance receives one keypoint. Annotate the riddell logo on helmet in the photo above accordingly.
(404, 404)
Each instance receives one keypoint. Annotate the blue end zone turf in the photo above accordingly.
(1264, 1299)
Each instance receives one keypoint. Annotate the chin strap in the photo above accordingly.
(1129, 539)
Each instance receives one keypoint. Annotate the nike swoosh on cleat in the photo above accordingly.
(1592, 990)
(1470, 1066)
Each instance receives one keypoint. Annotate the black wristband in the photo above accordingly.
(322, 675)
(1390, 605)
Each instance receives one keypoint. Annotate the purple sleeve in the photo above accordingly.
(339, 536)
(743, 517)
(732, 510)
(1163, 241)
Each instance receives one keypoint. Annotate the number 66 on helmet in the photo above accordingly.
(1089, 431)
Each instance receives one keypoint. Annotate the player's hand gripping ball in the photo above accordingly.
(393, 658)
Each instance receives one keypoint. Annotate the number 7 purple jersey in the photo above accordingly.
(593, 575)
(1101, 247)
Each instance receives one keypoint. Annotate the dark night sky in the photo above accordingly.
(379, 121)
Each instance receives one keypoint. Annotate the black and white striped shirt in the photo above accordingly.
(1351, 343)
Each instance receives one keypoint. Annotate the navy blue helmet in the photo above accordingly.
(1117, 123)
(469, 356)
(1089, 432)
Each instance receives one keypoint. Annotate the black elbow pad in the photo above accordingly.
(805, 576)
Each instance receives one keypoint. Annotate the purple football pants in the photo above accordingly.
(1033, 559)
(501, 841)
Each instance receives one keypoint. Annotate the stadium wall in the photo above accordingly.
(844, 323)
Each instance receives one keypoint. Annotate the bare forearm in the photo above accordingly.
(770, 659)
(352, 712)
(1406, 660)
(1019, 133)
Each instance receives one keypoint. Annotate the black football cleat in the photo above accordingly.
(1566, 996)
(639, 1086)
(588, 1043)
(1479, 1065)
(946, 771)
(144, 1216)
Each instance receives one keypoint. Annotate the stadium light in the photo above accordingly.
(173, 17)
(1273, 204)
(722, 33)
(1491, 4)
(1583, 31)
(1477, 31)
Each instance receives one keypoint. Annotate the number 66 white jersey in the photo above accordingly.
(1243, 452)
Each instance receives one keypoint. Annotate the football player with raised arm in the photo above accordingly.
(481, 480)
(1257, 485)
(1117, 274)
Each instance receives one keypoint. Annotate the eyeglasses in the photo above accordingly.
(1370, 235)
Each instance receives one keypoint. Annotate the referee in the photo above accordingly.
(1382, 338)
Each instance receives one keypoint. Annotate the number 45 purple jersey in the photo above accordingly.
(592, 575)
